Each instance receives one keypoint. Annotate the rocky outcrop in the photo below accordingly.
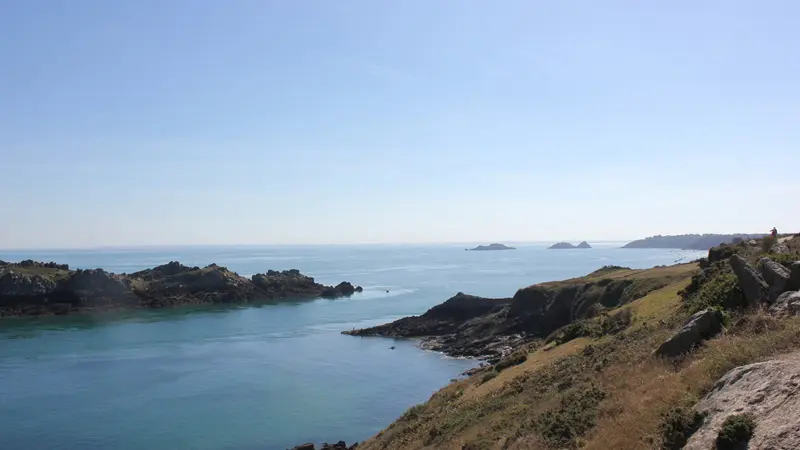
(794, 277)
(96, 287)
(17, 284)
(466, 325)
(768, 392)
(342, 289)
(561, 246)
(787, 303)
(31, 288)
(776, 277)
(753, 286)
(583, 244)
(701, 326)
(779, 248)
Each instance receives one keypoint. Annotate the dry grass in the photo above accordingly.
(504, 412)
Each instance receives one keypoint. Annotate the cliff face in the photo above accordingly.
(31, 288)
(467, 325)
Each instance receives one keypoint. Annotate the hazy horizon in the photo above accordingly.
(178, 123)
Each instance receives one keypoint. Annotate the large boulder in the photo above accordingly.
(776, 276)
(787, 303)
(16, 284)
(699, 327)
(753, 286)
(765, 390)
(794, 277)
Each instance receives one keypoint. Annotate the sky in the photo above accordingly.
(309, 122)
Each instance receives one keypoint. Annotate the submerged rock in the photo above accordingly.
(699, 327)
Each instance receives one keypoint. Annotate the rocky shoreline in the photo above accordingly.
(492, 328)
(30, 288)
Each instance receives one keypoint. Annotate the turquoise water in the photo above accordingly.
(260, 377)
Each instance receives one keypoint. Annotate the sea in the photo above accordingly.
(266, 376)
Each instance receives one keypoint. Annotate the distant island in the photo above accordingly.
(567, 245)
(491, 247)
(690, 241)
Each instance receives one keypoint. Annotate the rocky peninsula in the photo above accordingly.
(695, 356)
(38, 288)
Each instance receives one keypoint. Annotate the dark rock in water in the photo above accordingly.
(776, 275)
(343, 289)
(341, 445)
(492, 247)
(753, 286)
(583, 244)
(305, 447)
(359, 289)
(699, 327)
(561, 246)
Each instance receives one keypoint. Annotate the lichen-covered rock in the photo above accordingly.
(787, 303)
(14, 284)
(699, 327)
(753, 286)
(768, 392)
(776, 277)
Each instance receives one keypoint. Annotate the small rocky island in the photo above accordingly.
(491, 247)
(36, 288)
(567, 245)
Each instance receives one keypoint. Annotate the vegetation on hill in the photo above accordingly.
(595, 383)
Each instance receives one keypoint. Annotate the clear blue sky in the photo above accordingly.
(157, 122)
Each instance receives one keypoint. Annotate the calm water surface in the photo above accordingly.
(264, 377)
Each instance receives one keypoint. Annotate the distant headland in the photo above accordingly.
(567, 245)
(491, 247)
(37, 288)
(690, 241)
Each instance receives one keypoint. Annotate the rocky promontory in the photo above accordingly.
(471, 326)
(35, 288)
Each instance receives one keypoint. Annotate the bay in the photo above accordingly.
(265, 376)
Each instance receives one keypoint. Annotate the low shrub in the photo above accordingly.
(677, 426)
(488, 376)
(572, 418)
(513, 359)
(736, 431)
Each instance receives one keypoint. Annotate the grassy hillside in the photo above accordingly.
(602, 389)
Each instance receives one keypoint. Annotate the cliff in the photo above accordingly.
(34, 288)
(599, 382)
